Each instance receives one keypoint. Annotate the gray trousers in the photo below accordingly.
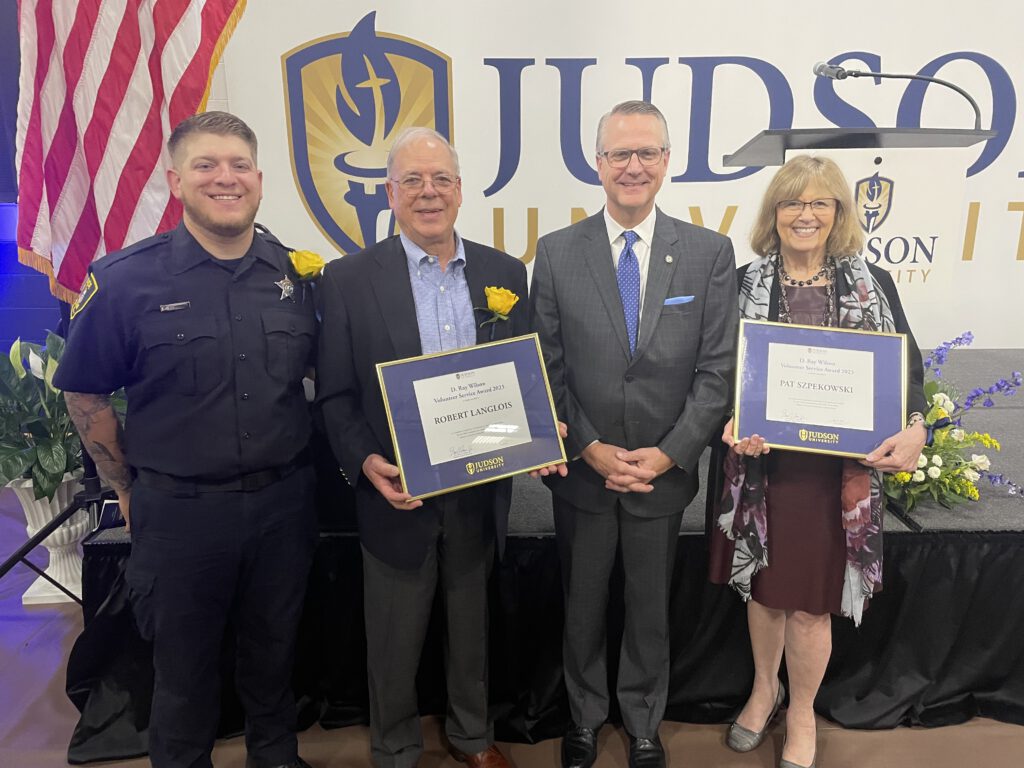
(397, 608)
(587, 545)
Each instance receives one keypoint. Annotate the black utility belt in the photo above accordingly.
(250, 482)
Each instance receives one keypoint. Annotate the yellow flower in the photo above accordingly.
(902, 478)
(966, 488)
(307, 264)
(989, 442)
(500, 301)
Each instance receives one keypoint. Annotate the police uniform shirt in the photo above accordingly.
(211, 354)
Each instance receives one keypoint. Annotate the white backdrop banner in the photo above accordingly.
(519, 88)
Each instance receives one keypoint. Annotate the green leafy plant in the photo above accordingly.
(37, 437)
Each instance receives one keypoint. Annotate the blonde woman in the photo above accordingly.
(798, 535)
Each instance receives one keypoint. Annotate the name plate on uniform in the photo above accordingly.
(470, 416)
(823, 390)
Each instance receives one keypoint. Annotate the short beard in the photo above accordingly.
(226, 230)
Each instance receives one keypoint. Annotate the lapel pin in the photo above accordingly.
(668, 258)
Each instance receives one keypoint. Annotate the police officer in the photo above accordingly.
(209, 328)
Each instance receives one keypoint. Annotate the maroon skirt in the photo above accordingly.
(806, 541)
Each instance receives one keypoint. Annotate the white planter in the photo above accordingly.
(63, 544)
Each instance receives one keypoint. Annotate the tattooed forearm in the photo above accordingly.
(100, 432)
(84, 408)
(116, 472)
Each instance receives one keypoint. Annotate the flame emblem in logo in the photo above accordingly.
(347, 97)
(873, 197)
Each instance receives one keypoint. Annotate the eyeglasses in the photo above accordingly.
(619, 158)
(796, 207)
(413, 184)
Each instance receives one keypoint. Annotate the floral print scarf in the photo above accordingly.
(742, 514)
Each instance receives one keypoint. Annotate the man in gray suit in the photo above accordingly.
(637, 318)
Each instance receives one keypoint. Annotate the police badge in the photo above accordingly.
(287, 288)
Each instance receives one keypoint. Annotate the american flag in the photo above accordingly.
(103, 82)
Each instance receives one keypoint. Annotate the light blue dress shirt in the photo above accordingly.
(444, 308)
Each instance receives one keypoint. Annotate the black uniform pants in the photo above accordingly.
(199, 561)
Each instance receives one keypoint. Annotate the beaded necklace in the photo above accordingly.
(828, 271)
(801, 283)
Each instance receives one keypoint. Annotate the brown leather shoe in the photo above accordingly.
(489, 758)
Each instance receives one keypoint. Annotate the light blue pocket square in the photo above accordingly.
(678, 300)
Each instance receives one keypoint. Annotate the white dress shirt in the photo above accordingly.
(642, 247)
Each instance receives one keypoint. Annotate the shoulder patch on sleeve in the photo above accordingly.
(89, 289)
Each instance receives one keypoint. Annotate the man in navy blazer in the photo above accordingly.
(415, 294)
(636, 313)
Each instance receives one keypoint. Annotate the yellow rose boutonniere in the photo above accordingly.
(499, 303)
(306, 263)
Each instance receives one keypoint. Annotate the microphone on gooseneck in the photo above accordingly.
(831, 71)
(835, 72)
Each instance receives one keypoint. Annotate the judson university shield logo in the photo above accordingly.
(347, 97)
(873, 201)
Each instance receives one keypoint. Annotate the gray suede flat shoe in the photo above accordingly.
(740, 739)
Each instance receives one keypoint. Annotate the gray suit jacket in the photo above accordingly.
(674, 391)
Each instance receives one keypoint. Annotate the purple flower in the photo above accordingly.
(1012, 488)
(979, 395)
(940, 354)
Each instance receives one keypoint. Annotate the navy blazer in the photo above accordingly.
(368, 316)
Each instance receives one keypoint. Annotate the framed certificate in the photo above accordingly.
(824, 390)
(470, 416)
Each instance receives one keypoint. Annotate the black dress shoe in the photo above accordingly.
(579, 748)
(251, 762)
(646, 753)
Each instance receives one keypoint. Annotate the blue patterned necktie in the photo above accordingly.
(629, 287)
